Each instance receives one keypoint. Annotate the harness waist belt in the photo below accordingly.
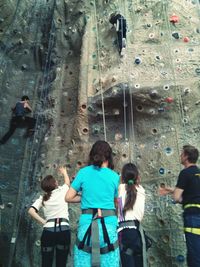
(57, 220)
(192, 206)
(195, 231)
(128, 223)
(103, 250)
(104, 213)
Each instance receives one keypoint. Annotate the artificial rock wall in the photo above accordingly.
(63, 54)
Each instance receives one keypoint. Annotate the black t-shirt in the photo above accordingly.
(189, 181)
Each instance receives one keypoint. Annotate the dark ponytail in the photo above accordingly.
(48, 184)
(130, 178)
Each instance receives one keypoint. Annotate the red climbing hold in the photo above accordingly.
(174, 19)
(186, 39)
(169, 99)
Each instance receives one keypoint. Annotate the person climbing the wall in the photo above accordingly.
(187, 192)
(97, 242)
(131, 202)
(121, 27)
(20, 120)
(56, 233)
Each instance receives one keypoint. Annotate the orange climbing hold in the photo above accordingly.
(174, 19)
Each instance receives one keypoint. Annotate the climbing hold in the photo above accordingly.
(161, 170)
(169, 99)
(187, 91)
(174, 19)
(176, 35)
(158, 58)
(197, 71)
(137, 85)
(151, 36)
(166, 87)
(186, 39)
(153, 93)
(161, 109)
(137, 60)
(37, 243)
(180, 258)
(96, 129)
(24, 67)
(168, 150)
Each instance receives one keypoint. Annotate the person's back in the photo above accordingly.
(190, 181)
(131, 203)
(56, 233)
(19, 109)
(98, 186)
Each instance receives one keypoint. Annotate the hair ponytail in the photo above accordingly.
(130, 178)
(131, 194)
(48, 184)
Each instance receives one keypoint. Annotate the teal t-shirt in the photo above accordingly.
(99, 187)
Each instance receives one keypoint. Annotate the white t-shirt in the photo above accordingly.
(137, 212)
(55, 206)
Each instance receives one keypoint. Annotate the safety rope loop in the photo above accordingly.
(106, 236)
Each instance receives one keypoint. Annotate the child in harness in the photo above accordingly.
(131, 204)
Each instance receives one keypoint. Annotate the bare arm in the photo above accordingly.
(175, 192)
(63, 171)
(36, 216)
(72, 196)
(26, 105)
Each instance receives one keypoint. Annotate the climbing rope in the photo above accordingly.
(100, 74)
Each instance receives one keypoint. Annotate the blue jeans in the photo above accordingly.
(192, 240)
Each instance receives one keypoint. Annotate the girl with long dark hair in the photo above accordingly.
(96, 243)
(131, 203)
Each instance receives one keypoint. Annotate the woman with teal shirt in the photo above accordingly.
(96, 243)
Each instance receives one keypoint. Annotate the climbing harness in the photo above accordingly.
(92, 234)
(58, 227)
(192, 230)
(191, 206)
(135, 224)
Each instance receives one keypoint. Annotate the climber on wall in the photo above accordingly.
(120, 24)
(20, 120)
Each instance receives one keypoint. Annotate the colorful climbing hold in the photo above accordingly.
(137, 60)
(180, 258)
(161, 170)
(186, 39)
(169, 99)
(175, 35)
(174, 19)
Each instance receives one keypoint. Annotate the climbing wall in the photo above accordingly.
(146, 103)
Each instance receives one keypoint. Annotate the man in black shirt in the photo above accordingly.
(187, 192)
(20, 120)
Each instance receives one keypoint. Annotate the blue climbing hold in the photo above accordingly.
(180, 258)
(161, 170)
(168, 150)
(137, 60)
